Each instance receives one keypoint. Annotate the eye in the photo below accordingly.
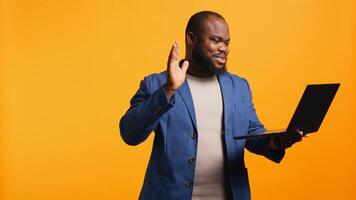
(215, 40)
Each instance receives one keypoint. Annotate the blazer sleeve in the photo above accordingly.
(144, 113)
(259, 146)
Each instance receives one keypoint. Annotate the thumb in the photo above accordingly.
(185, 66)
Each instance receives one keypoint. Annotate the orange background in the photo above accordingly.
(69, 69)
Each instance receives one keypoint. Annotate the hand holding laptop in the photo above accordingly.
(286, 140)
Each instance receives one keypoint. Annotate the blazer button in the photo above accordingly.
(188, 184)
(191, 159)
(194, 135)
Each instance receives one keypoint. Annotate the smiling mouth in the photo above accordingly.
(220, 59)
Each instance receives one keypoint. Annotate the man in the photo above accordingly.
(195, 108)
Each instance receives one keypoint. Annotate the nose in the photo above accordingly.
(224, 48)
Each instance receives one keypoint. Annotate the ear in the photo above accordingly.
(190, 38)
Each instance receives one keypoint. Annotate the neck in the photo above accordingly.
(194, 69)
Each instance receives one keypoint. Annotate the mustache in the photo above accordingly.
(220, 55)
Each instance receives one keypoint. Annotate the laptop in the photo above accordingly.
(309, 114)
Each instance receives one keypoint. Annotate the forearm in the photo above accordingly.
(142, 117)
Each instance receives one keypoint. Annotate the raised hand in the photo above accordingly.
(175, 73)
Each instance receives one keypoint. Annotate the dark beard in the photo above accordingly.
(204, 63)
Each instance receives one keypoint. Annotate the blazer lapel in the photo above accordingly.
(225, 87)
(184, 92)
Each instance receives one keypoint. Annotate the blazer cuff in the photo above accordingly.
(161, 103)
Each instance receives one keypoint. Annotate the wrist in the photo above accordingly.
(167, 88)
(169, 91)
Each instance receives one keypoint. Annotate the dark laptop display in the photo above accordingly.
(310, 111)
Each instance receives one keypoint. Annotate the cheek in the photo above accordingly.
(209, 46)
(211, 49)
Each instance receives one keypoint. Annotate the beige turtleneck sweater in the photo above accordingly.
(209, 170)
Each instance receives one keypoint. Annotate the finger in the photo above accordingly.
(300, 135)
(171, 51)
(185, 66)
(175, 54)
(299, 132)
(297, 136)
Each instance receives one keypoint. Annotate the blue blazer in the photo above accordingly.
(170, 171)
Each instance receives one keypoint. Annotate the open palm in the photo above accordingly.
(176, 74)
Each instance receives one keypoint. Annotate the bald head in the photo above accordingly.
(196, 21)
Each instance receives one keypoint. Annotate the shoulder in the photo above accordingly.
(240, 87)
(155, 80)
(237, 80)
